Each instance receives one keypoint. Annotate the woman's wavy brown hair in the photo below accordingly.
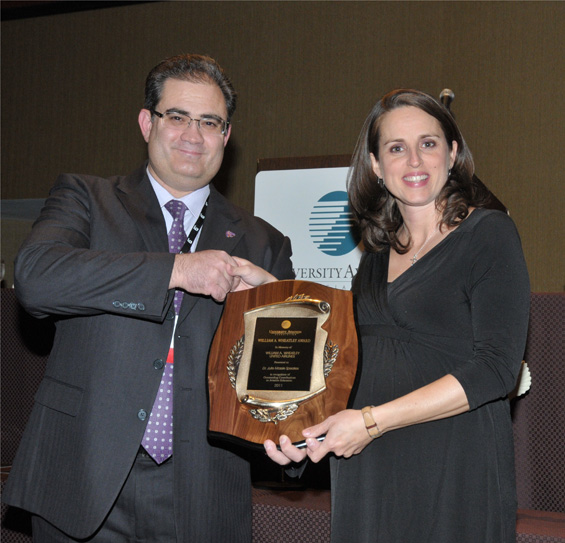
(374, 208)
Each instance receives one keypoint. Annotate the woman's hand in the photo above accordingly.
(345, 433)
(249, 274)
(288, 453)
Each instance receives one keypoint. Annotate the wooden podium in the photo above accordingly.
(284, 357)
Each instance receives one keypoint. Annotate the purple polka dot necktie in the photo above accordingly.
(177, 237)
(158, 438)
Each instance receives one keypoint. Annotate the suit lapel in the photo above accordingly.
(221, 228)
(138, 198)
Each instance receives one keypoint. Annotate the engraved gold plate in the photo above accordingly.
(284, 360)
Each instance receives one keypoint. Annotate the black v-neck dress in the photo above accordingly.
(462, 309)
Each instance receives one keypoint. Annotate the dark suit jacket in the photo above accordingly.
(98, 259)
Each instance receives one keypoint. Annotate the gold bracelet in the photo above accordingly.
(370, 424)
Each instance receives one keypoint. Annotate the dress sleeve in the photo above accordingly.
(499, 292)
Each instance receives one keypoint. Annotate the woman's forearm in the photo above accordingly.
(441, 399)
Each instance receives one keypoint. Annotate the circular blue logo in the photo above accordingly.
(331, 225)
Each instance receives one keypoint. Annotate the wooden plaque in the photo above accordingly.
(284, 357)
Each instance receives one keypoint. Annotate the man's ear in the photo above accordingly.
(145, 123)
(227, 135)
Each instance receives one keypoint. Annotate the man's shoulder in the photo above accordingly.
(236, 213)
(128, 181)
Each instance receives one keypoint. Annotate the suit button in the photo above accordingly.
(125, 305)
(158, 364)
(116, 303)
(141, 307)
(142, 414)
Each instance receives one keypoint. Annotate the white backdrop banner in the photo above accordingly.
(310, 206)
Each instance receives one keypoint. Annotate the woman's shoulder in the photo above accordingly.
(490, 234)
(483, 219)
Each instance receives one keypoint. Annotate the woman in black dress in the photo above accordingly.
(442, 301)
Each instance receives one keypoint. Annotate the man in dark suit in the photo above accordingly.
(97, 259)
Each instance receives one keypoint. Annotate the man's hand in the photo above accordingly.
(205, 272)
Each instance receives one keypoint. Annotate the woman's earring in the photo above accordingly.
(381, 182)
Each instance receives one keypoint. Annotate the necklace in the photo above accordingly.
(414, 259)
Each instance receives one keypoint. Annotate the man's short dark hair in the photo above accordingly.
(191, 68)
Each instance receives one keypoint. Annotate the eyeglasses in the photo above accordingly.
(182, 121)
